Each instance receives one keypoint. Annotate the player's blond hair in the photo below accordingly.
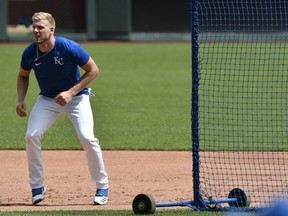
(44, 16)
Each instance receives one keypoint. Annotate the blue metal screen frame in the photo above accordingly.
(198, 201)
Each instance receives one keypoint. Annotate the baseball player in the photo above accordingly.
(55, 62)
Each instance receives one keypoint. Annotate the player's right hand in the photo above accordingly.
(21, 109)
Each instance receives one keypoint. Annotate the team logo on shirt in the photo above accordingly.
(58, 60)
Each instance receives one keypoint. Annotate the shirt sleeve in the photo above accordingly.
(25, 60)
(79, 55)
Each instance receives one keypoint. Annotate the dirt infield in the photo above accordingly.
(167, 176)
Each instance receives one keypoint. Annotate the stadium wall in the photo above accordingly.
(100, 19)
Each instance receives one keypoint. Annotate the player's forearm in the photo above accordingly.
(84, 81)
(22, 87)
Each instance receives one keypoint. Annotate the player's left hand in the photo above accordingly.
(63, 98)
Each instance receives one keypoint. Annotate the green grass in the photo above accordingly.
(181, 212)
(243, 97)
(142, 98)
(160, 212)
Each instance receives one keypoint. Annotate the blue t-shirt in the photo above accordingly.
(57, 70)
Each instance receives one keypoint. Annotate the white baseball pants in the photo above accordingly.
(43, 115)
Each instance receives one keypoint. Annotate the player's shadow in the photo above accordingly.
(15, 204)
